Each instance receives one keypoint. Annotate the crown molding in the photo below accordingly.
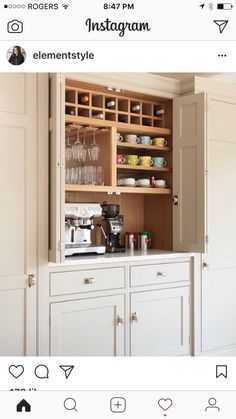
(215, 88)
(146, 83)
(155, 85)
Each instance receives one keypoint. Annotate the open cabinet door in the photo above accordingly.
(57, 168)
(189, 173)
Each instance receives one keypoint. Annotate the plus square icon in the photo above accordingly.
(118, 405)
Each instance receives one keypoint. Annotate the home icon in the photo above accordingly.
(23, 406)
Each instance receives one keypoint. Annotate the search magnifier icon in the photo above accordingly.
(70, 404)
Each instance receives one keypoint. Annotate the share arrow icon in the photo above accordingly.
(67, 369)
(222, 24)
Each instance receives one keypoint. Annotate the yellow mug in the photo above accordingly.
(145, 161)
(159, 141)
(131, 159)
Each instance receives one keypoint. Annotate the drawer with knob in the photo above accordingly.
(160, 273)
(86, 281)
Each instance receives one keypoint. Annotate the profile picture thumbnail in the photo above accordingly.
(16, 55)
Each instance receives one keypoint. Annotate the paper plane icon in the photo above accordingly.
(67, 369)
(202, 5)
(221, 24)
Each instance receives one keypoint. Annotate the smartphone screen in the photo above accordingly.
(117, 209)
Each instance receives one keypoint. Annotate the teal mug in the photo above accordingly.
(145, 139)
(159, 162)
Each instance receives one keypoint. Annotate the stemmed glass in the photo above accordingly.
(69, 150)
(94, 149)
(84, 151)
(77, 148)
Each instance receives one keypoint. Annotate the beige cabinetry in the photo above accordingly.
(160, 309)
(88, 327)
(217, 308)
(204, 217)
(120, 317)
(160, 322)
(18, 222)
(194, 214)
(87, 312)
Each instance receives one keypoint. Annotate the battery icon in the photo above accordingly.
(224, 6)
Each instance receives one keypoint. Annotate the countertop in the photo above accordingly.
(128, 256)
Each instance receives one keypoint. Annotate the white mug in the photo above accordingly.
(130, 138)
(160, 183)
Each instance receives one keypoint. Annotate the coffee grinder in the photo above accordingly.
(111, 227)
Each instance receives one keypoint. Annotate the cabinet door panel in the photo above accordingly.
(189, 173)
(162, 326)
(57, 168)
(13, 325)
(18, 185)
(221, 199)
(218, 310)
(88, 327)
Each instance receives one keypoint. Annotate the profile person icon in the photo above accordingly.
(16, 55)
(212, 405)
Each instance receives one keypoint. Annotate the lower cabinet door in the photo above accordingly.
(160, 322)
(89, 327)
(17, 317)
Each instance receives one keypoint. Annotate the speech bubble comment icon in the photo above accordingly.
(41, 372)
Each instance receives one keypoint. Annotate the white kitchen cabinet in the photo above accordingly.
(97, 318)
(204, 151)
(160, 322)
(217, 308)
(18, 222)
(204, 219)
(89, 327)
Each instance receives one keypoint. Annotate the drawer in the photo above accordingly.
(86, 280)
(159, 274)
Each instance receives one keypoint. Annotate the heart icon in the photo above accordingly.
(165, 404)
(16, 370)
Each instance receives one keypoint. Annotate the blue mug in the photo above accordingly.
(145, 139)
(159, 162)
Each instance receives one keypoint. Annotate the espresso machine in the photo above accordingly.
(79, 223)
(111, 226)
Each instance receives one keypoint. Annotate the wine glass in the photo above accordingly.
(94, 149)
(84, 151)
(76, 148)
(68, 150)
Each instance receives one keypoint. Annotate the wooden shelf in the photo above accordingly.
(142, 146)
(137, 168)
(88, 188)
(117, 189)
(121, 126)
(139, 190)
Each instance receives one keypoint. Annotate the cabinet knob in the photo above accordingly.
(31, 280)
(119, 321)
(162, 274)
(134, 317)
(175, 200)
(89, 280)
(205, 265)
